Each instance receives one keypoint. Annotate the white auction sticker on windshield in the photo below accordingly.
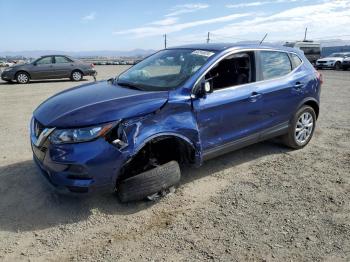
(202, 53)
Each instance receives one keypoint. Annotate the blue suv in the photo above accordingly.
(182, 105)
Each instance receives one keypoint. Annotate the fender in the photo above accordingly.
(198, 152)
(306, 100)
(185, 139)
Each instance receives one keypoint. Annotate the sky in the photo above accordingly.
(83, 25)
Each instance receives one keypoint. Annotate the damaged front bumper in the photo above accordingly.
(79, 167)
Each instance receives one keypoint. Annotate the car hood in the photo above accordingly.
(18, 66)
(96, 103)
(330, 58)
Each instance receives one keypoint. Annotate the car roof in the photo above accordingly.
(55, 55)
(225, 46)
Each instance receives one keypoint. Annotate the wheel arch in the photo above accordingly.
(77, 69)
(167, 146)
(310, 101)
(23, 71)
(315, 106)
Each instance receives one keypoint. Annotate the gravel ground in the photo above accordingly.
(261, 203)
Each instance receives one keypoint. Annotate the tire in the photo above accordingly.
(76, 75)
(337, 66)
(138, 187)
(22, 78)
(302, 121)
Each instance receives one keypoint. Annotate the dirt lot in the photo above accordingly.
(261, 203)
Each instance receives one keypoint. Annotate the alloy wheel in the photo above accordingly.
(76, 76)
(304, 128)
(22, 78)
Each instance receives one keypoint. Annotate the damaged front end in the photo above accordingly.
(85, 159)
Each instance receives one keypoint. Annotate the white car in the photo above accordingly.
(6, 64)
(334, 61)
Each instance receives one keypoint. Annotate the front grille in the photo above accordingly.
(322, 62)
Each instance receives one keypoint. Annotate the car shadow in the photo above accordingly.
(29, 203)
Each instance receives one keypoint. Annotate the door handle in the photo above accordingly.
(255, 96)
(298, 85)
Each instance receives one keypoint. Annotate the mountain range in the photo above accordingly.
(135, 52)
(103, 53)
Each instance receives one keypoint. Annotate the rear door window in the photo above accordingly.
(274, 64)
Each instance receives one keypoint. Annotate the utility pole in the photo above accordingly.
(208, 38)
(305, 34)
(164, 40)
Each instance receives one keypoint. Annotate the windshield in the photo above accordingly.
(164, 70)
(337, 55)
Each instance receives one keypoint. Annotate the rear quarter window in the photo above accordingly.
(296, 60)
(274, 64)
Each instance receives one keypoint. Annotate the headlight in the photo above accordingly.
(8, 69)
(63, 136)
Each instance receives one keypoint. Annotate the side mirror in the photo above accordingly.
(208, 87)
(34, 63)
(204, 87)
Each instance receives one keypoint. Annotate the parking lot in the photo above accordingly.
(264, 202)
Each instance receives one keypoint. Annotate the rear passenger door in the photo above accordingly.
(63, 66)
(282, 83)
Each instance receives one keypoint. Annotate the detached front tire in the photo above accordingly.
(141, 186)
(301, 129)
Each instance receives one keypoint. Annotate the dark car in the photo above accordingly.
(49, 67)
(182, 105)
(346, 62)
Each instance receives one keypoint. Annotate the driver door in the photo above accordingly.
(228, 117)
(43, 68)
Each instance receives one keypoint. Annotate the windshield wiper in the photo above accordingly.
(129, 85)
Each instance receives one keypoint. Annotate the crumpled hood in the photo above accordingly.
(96, 103)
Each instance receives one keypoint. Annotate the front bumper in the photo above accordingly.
(7, 75)
(80, 167)
(326, 64)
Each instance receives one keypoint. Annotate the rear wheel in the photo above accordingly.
(301, 129)
(76, 76)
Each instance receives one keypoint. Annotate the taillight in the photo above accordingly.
(319, 77)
